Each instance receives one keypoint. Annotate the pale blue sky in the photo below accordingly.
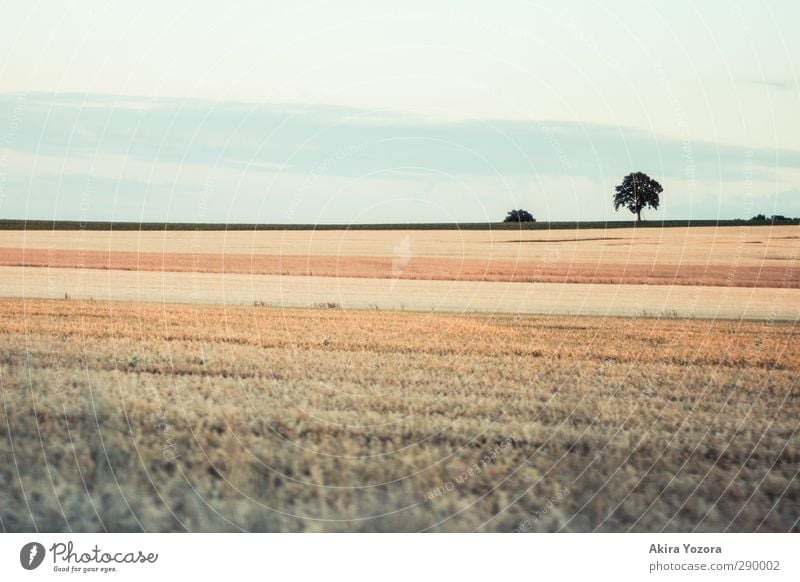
(384, 111)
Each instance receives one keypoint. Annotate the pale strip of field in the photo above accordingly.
(358, 293)
(732, 245)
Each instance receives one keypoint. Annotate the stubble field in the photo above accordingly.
(127, 417)
(750, 272)
(400, 380)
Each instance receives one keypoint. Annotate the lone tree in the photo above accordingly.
(519, 216)
(637, 191)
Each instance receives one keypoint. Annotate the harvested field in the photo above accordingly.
(128, 417)
(747, 272)
(751, 246)
(425, 268)
(175, 386)
(402, 294)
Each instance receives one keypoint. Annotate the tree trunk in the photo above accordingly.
(638, 215)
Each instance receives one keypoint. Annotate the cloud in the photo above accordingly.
(775, 84)
(148, 150)
(347, 142)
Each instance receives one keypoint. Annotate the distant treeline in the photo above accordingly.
(177, 226)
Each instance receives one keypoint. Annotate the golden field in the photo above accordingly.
(592, 380)
(417, 268)
(700, 301)
(734, 272)
(127, 416)
(744, 246)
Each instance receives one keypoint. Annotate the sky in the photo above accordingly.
(358, 112)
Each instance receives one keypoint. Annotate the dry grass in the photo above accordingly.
(123, 416)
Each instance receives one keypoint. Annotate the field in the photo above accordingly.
(420, 268)
(125, 416)
(591, 380)
(32, 225)
(732, 247)
(734, 272)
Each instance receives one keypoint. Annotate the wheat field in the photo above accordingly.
(744, 246)
(126, 416)
(409, 267)
(750, 272)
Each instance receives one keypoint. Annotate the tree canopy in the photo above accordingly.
(637, 191)
(519, 216)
